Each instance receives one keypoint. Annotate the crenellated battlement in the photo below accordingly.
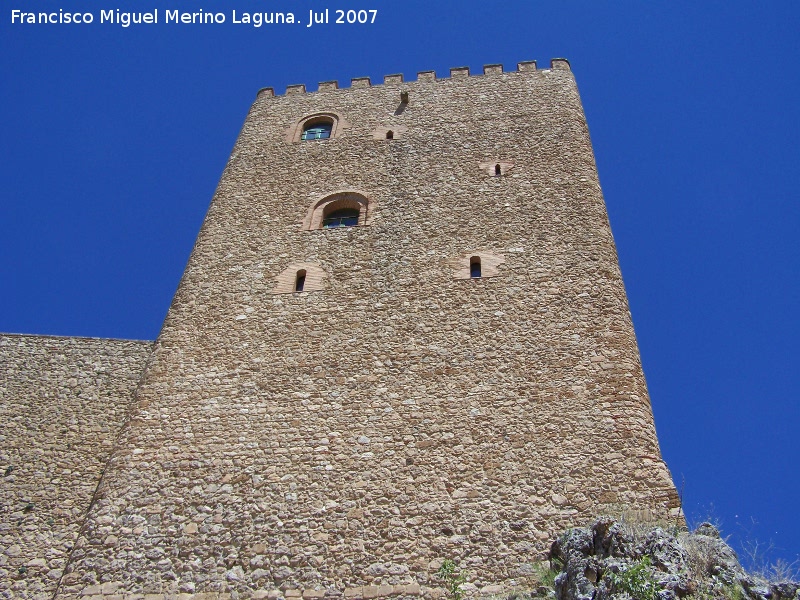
(561, 64)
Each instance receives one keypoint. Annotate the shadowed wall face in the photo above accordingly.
(397, 411)
(62, 403)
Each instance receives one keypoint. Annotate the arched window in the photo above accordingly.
(475, 267)
(340, 209)
(497, 170)
(345, 217)
(390, 135)
(299, 277)
(318, 126)
(300, 280)
(320, 130)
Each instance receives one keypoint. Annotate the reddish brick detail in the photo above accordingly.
(295, 132)
(336, 201)
(379, 133)
(490, 264)
(314, 278)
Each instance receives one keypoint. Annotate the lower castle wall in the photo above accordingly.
(62, 403)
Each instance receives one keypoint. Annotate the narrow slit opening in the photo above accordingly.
(475, 267)
(497, 170)
(300, 280)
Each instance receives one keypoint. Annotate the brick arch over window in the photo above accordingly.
(339, 201)
(313, 274)
(338, 125)
(489, 264)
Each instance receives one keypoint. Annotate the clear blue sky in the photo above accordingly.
(113, 140)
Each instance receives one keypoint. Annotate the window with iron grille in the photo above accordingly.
(346, 217)
(317, 131)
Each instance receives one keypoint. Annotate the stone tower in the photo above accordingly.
(402, 336)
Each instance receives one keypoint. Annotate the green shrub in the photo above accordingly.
(546, 573)
(637, 581)
(452, 580)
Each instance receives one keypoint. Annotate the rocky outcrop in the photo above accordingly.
(615, 560)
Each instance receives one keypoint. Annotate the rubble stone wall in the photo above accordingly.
(62, 403)
(353, 437)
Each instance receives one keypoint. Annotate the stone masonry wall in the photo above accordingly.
(344, 441)
(62, 403)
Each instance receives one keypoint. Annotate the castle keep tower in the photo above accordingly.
(402, 336)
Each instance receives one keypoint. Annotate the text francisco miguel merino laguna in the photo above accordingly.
(256, 19)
